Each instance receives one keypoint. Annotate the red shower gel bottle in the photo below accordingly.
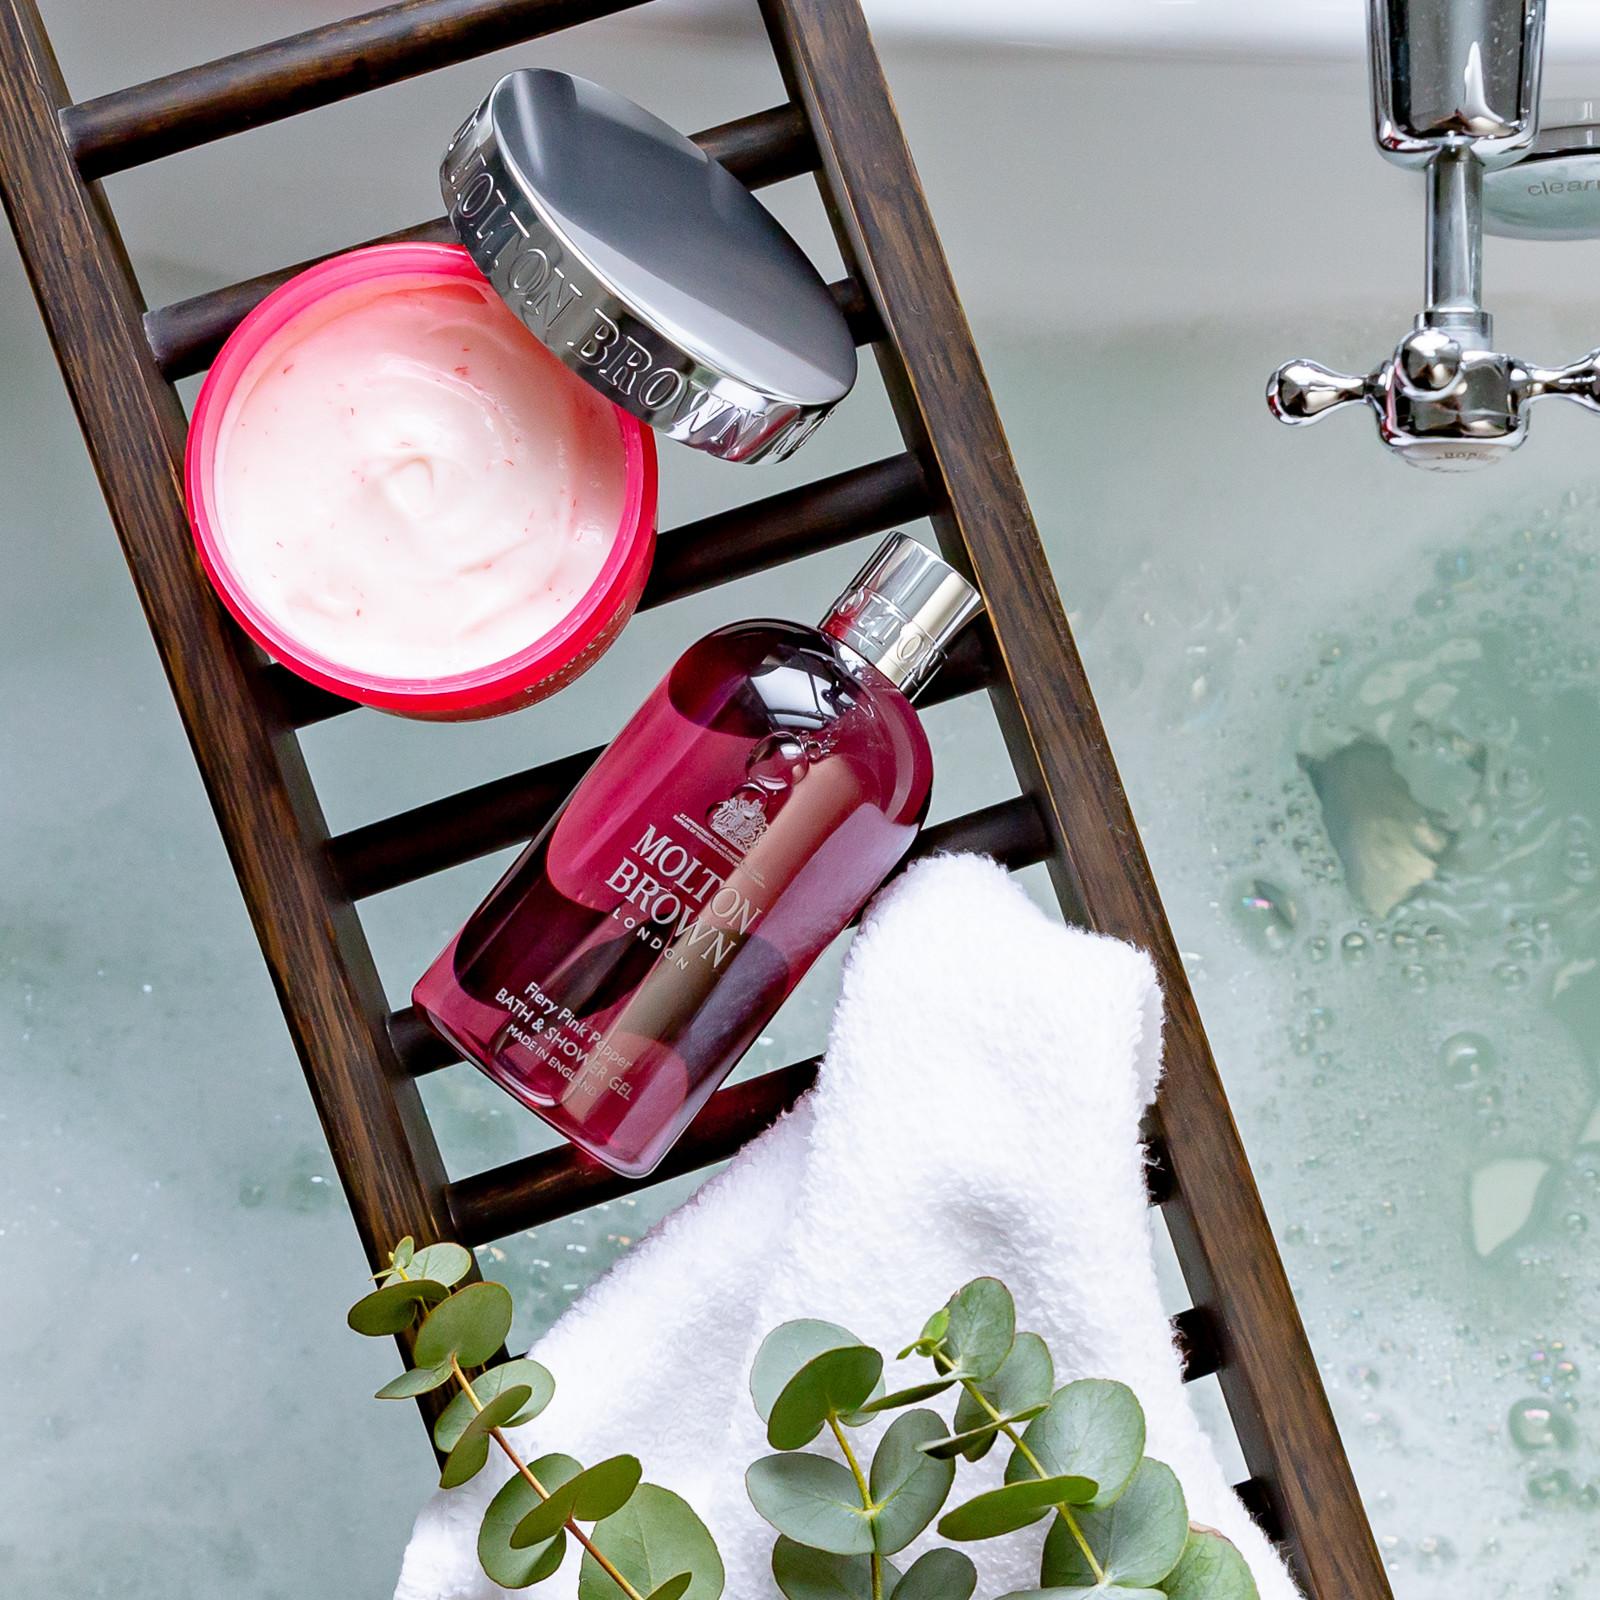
(616, 974)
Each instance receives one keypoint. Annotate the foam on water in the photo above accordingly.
(1402, 971)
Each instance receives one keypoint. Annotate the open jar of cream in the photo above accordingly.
(401, 494)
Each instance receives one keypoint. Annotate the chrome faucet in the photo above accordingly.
(1455, 92)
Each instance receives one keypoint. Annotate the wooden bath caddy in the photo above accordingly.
(302, 885)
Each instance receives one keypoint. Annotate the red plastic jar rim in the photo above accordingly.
(549, 656)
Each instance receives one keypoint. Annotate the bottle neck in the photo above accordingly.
(868, 671)
(878, 633)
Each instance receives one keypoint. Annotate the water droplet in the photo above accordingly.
(1509, 975)
(1354, 947)
(1535, 1427)
(1465, 1058)
(1433, 1551)
(1267, 915)
(1549, 1487)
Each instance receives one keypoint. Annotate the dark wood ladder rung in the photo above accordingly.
(1257, 1497)
(505, 811)
(1199, 1343)
(730, 544)
(781, 527)
(1012, 832)
(555, 1183)
(761, 149)
(149, 120)
(1158, 1180)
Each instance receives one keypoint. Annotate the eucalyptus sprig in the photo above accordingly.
(1120, 1526)
(643, 1540)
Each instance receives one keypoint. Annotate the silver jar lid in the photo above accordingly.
(901, 610)
(646, 267)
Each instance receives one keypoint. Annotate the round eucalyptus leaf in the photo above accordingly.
(393, 1308)
(1137, 1539)
(975, 1441)
(908, 1486)
(520, 1372)
(1210, 1568)
(545, 1518)
(404, 1253)
(444, 1263)
(516, 1569)
(415, 1381)
(471, 1326)
(937, 1575)
(785, 1351)
(1093, 1429)
(932, 1335)
(604, 1488)
(546, 1514)
(833, 1384)
(471, 1450)
(982, 1325)
(806, 1574)
(1015, 1506)
(1024, 1381)
(812, 1500)
(673, 1588)
(652, 1541)
(902, 1397)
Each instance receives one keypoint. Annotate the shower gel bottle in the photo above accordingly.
(616, 974)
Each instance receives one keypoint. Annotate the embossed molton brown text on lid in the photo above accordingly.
(647, 267)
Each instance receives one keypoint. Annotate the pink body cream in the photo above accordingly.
(403, 496)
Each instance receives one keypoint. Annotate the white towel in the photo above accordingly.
(978, 1112)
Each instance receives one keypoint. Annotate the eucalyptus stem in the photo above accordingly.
(498, 1435)
(1033, 1461)
(865, 1491)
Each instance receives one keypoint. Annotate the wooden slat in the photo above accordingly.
(1053, 730)
(1195, 1333)
(1258, 1499)
(764, 148)
(1157, 1171)
(149, 120)
(1010, 831)
(555, 1183)
(505, 811)
(797, 522)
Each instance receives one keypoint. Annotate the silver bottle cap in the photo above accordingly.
(646, 267)
(901, 610)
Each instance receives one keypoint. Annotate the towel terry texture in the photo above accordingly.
(978, 1112)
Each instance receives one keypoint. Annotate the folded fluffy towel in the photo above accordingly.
(978, 1112)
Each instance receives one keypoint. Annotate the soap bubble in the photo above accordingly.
(1465, 1059)
(1535, 1427)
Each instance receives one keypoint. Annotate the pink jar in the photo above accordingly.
(560, 649)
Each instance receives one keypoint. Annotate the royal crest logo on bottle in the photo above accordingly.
(741, 819)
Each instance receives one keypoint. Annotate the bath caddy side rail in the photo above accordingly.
(120, 360)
